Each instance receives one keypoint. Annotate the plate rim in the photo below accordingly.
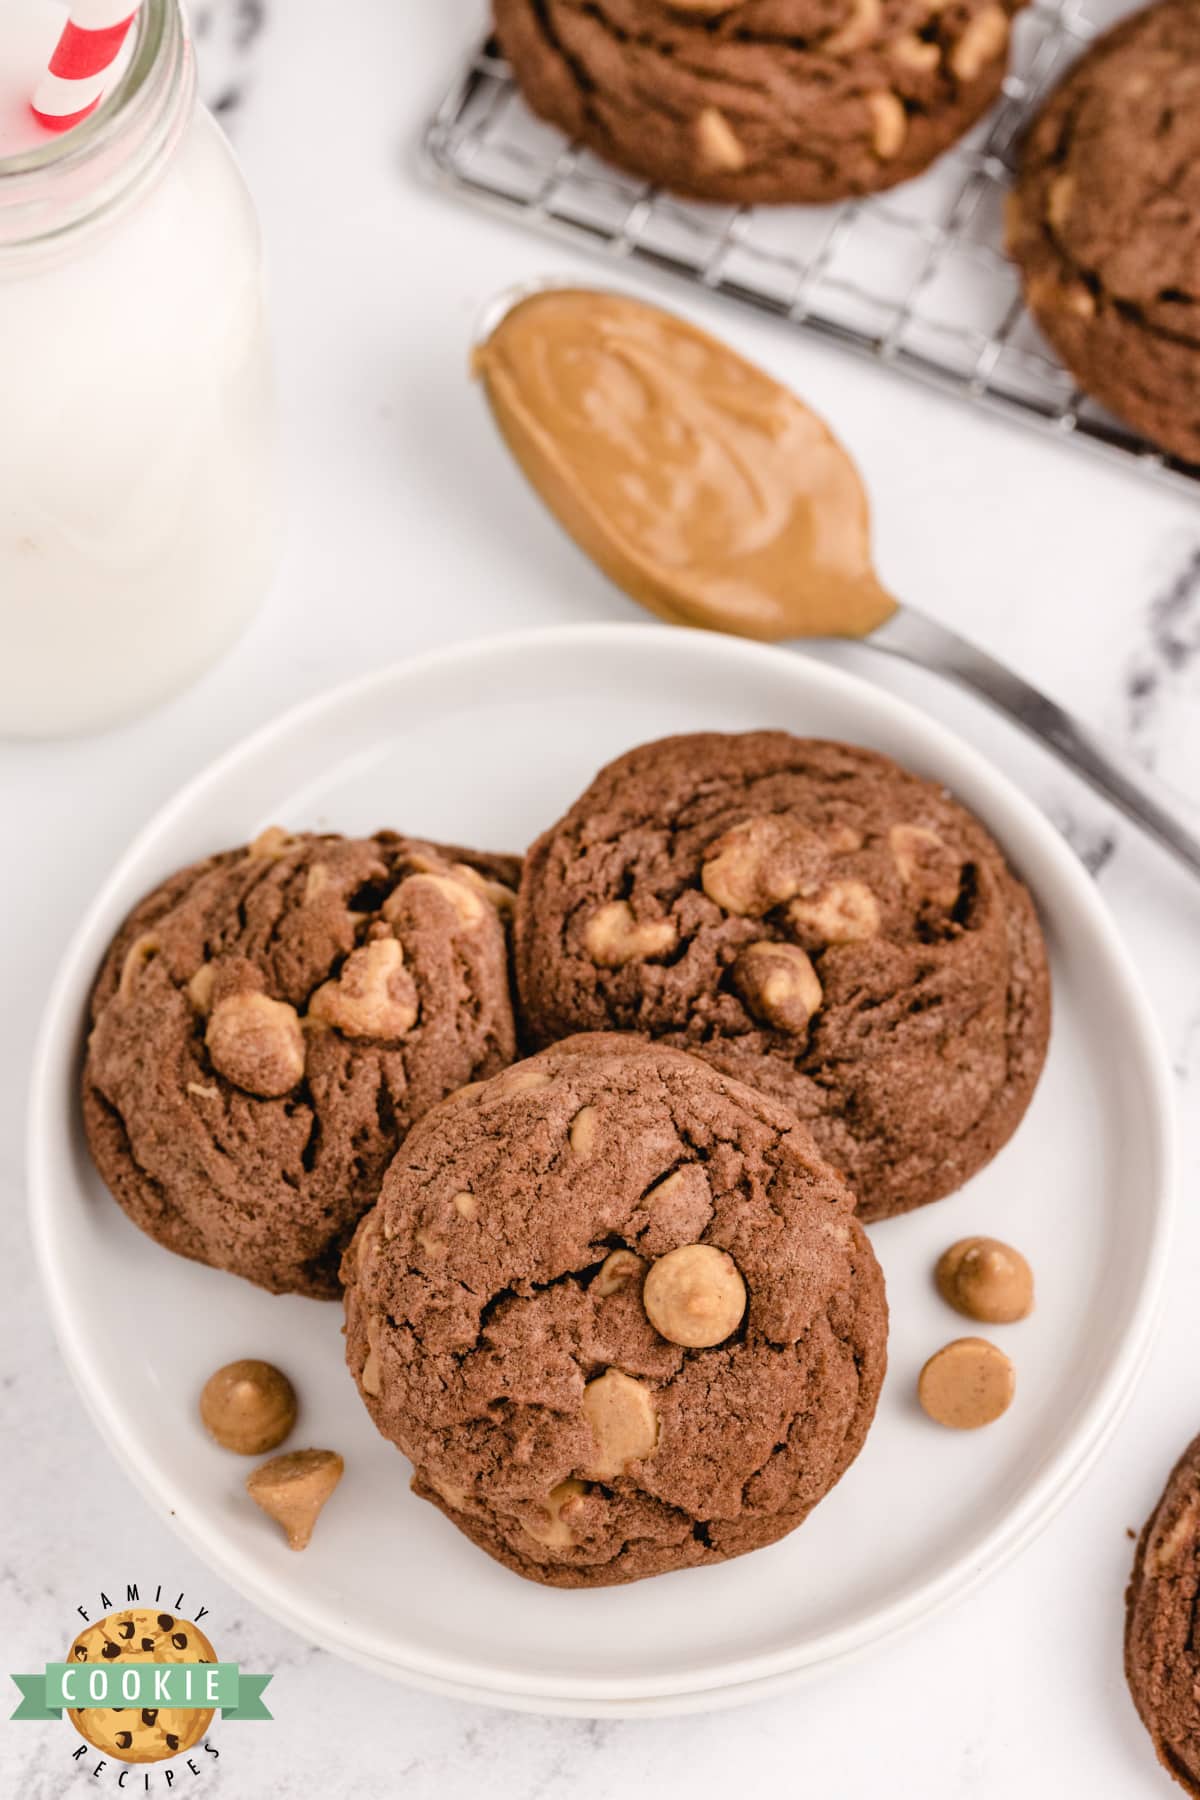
(733, 1682)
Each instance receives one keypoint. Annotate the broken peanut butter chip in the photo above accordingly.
(581, 1134)
(257, 1043)
(617, 1271)
(499, 896)
(142, 950)
(694, 1296)
(912, 52)
(293, 1489)
(462, 896)
(370, 1378)
(860, 28)
(983, 39)
(624, 1422)
(717, 142)
(929, 869)
(778, 984)
(615, 936)
(560, 1507)
(200, 988)
(759, 864)
(270, 844)
(889, 123)
(372, 996)
(844, 912)
(466, 1205)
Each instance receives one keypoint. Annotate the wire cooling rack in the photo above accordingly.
(915, 278)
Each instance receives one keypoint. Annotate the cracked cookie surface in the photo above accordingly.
(1105, 223)
(816, 921)
(1162, 1655)
(763, 101)
(618, 1313)
(270, 1022)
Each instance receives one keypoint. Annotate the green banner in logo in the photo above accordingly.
(185, 1686)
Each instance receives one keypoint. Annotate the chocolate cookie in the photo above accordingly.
(816, 921)
(269, 1023)
(767, 100)
(618, 1313)
(1105, 223)
(1162, 1655)
(141, 1635)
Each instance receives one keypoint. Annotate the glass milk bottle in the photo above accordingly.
(136, 506)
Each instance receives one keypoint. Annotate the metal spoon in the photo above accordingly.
(917, 638)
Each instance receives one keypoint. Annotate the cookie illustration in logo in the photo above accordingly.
(141, 1635)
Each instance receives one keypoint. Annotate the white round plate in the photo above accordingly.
(485, 745)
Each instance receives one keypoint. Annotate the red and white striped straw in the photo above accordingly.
(79, 71)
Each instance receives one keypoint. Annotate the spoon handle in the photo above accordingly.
(922, 640)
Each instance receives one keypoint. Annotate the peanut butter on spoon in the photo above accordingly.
(714, 497)
(706, 490)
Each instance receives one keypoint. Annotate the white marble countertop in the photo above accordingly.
(409, 528)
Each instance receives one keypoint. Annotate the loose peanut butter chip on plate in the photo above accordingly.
(293, 1488)
(256, 1043)
(694, 1296)
(967, 1384)
(986, 1279)
(624, 1422)
(248, 1406)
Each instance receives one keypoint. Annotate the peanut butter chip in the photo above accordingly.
(624, 1422)
(560, 1507)
(270, 844)
(984, 37)
(294, 1488)
(778, 984)
(966, 1384)
(717, 142)
(248, 1406)
(461, 896)
(927, 866)
(373, 996)
(694, 1296)
(759, 864)
(862, 25)
(986, 1280)
(845, 912)
(615, 936)
(256, 1043)
(616, 1272)
(200, 988)
(142, 950)
(889, 123)
(582, 1132)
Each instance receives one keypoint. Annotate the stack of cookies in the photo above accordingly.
(614, 1302)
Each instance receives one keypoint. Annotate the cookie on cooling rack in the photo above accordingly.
(762, 100)
(269, 1023)
(817, 921)
(618, 1313)
(1105, 223)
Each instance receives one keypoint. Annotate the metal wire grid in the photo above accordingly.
(915, 278)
